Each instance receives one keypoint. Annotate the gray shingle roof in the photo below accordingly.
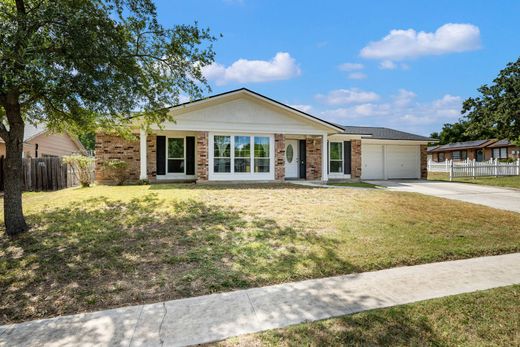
(501, 143)
(462, 145)
(381, 133)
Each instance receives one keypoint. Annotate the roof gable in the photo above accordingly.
(245, 93)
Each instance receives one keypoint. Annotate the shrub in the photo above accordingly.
(116, 170)
(82, 168)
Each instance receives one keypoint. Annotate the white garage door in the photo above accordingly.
(402, 161)
(372, 162)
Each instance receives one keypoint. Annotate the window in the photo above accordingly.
(336, 157)
(455, 155)
(464, 155)
(500, 153)
(242, 154)
(222, 154)
(441, 156)
(176, 155)
(261, 154)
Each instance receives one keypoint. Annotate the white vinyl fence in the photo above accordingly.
(473, 168)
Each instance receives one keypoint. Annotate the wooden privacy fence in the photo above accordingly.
(43, 174)
(473, 168)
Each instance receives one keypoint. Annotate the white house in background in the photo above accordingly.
(244, 136)
(39, 142)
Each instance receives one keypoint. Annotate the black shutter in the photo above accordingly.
(161, 155)
(190, 155)
(347, 155)
(303, 159)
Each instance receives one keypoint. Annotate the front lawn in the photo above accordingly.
(106, 246)
(502, 181)
(487, 318)
(355, 184)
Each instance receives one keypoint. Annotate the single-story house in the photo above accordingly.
(39, 142)
(244, 136)
(480, 150)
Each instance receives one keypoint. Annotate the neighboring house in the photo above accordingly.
(39, 143)
(244, 136)
(480, 150)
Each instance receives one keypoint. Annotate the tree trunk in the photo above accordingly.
(13, 213)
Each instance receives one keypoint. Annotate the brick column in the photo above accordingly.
(201, 158)
(279, 157)
(151, 157)
(355, 159)
(424, 162)
(313, 149)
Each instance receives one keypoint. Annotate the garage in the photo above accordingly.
(402, 162)
(384, 161)
(372, 162)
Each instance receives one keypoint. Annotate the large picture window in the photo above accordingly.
(242, 153)
(261, 154)
(336, 157)
(176, 155)
(222, 154)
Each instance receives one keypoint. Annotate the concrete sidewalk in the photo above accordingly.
(214, 317)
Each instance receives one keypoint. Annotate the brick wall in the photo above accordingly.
(424, 162)
(201, 158)
(279, 157)
(355, 159)
(114, 147)
(313, 149)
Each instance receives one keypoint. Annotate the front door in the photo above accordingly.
(291, 159)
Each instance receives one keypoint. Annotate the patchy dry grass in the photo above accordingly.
(104, 247)
(488, 318)
(502, 181)
(355, 184)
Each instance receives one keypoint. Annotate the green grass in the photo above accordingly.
(487, 318)
(503, 181)
(355, 184)
(103, 247)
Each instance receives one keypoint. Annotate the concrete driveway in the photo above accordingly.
(501, 198)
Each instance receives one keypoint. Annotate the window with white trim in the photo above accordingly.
(242, 160)
(261, 154)
(176, 155)
(221, 153)
(336, 157)
(500, 153)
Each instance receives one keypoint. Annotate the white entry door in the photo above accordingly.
(291, 159)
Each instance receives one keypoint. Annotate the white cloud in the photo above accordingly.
(351, 67)
(281, 67)
(401, 111)
(405, 44)
(357, 76)
(387, 65)
(302, 107)
(404, 97)
(347, 96)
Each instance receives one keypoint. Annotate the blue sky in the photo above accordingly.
(402, 64)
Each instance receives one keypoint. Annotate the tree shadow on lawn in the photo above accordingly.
(100, 253)
(396, 326)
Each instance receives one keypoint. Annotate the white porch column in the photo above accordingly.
(325, 158)
(142, 151)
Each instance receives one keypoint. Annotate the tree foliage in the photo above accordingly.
(497, 109)
(85, 64)
(81, 65)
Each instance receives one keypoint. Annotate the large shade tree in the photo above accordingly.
(497, 109)
(84, 64)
